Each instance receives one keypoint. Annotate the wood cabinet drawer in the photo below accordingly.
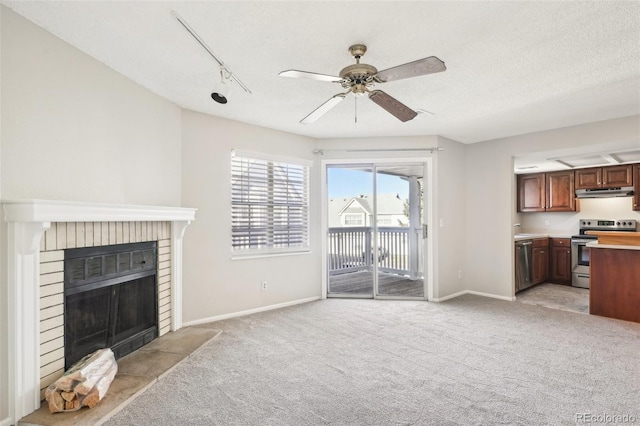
(560, 242)
(540, 242)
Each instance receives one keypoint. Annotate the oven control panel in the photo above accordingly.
(608, 224)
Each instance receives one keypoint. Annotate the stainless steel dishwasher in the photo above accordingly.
(524, 265)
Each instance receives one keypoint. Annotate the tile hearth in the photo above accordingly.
(136, 373)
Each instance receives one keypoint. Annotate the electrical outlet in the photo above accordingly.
(546, 222)
(460, 274)
(263, 285)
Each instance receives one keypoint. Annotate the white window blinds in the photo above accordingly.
(269, 206)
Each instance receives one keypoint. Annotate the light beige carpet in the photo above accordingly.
(470, 360)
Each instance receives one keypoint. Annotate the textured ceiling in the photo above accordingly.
(512, 67)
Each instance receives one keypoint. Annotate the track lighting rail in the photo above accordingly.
(227, 71)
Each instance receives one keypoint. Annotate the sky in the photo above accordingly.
(344, 182)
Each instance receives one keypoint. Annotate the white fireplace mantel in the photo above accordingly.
(26, 222)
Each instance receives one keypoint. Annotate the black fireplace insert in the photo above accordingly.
(111, 299)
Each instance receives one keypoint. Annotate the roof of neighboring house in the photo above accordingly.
(388, 204)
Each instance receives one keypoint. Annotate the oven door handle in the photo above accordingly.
(585, 241)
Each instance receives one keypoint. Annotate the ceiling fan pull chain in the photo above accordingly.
(356, 108)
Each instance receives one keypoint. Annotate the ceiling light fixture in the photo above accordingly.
(221, 89)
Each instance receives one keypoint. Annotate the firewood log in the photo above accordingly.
(85, 383)
(92, 399)
(68, 396)
(56, 403)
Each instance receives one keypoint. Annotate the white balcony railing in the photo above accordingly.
(350, 249)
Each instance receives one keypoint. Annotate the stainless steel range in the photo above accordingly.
(580, 253)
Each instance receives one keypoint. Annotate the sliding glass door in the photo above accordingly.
(349, 234)
(399, 230)
(374, 233)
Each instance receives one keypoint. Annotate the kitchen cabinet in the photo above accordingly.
(560, 261)
(540, 260)
(546, 192)
(604, 177)
(636, 188)
(615, 290)
(531, 192)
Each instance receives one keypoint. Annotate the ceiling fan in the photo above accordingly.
(362, 78)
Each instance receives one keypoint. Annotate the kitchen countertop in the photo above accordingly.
(532, 236)
(596, 245)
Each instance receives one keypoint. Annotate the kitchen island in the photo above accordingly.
(615, 280)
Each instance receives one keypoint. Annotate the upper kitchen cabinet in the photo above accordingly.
(636, 188)
(561, 192)
(546, 192)
(531, 192)
(604, 177)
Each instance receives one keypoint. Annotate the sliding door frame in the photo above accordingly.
(429, 211)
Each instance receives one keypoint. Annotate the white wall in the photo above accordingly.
(4, 331)
(448, 183)
(73, 129)
(452, 208)
(490, 188)
(215, 285)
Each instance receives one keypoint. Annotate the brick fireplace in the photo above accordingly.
(38, 233)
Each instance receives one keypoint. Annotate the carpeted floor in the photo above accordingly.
(471, 360)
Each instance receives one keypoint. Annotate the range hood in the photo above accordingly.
(624, 191)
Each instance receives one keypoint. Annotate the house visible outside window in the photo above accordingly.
(351, 219)
(269, 205)
(385, 221)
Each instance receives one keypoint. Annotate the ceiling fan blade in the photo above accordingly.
(423, 66)
(322, 109)
(393, 106)
(309, 75)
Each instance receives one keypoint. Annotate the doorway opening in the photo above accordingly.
(375, 233)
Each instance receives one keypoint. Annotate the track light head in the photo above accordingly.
(221, 89)
(219, 97)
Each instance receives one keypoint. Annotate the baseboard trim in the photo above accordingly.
(493, 296)
(476, 293)
(249, 312)
(6, 422)
(449, 297)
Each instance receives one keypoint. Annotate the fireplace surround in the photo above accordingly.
(33, 269)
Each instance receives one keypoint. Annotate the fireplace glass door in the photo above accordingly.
(110, 299)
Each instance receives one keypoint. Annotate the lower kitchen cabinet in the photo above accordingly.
(560, 261)
(540, 260)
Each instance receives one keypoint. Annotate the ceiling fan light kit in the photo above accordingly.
(361, 79)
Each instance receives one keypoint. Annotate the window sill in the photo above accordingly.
(237, 256)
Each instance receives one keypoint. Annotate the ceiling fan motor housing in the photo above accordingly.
(358, 77)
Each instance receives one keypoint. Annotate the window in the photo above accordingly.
(385, 221)
(269, 206)
(352, 219)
